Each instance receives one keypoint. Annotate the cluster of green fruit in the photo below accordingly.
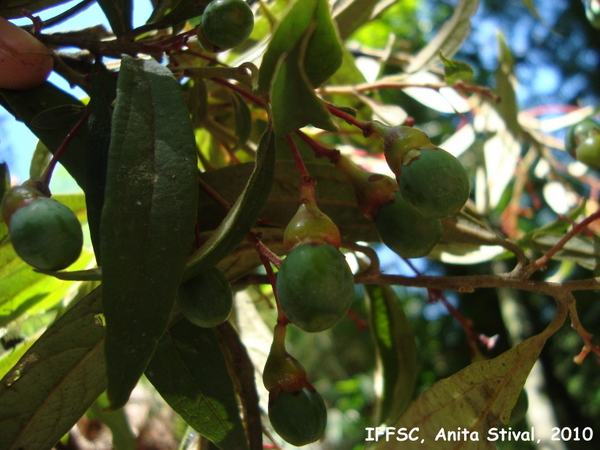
(430, 184)
(582, 141)
(44, 233)
(225, 24)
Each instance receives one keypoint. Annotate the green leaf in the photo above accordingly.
(477, 398)
(294, 103)
(122, 436)
(396, 353)
(189, 372)
(119, 14)
(176, 12)
(349, 15)
(505, 87)
(286, 36)
(243, 119)
(243, 214)
(4, 182)
(309, 21)
(449, 38)
(27, 104)
(148, 219)
(103, 93)
(54, 383)
(455, 71)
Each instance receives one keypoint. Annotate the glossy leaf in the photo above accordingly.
(396, 353)
(477, 398)
(119, 14)
(349, 15)
(27, 104)
(150, 199)
(56, 380)
(243, 214)
(449, 38)
(243, 119)
(189, 371)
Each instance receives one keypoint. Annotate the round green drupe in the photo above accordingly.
(46, 234)
(298, 417)
(579, 132)
(435, 183)
(588, 151)
(206, 300)
(225, 24)
(405, 230)
(315, 286)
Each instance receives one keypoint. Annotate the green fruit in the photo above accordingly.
(17, 197)
(405, 230)
(579, 132)
(225, 24)
(206, 300)
(315, 287)
(298, 417)
(46, 234)
(435, 183)
(588, 151)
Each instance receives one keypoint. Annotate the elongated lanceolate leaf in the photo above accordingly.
(396, 353)
(10, 9)
(476, 399)
(54, 383)
(148, 218)
(189, 372)
(449, 38)
(242, 216)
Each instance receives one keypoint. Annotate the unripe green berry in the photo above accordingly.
(405, 230)
(298, 417)
(315, 287)
(435, 183)
(206, 300)
(578, 133)
(225, 24)
(46, 234)
(588, 151)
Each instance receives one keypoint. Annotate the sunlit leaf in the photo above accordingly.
(455, 71)
(150, 199)
(189, 372)
(476, 399)
(56, 380)
(449, 38)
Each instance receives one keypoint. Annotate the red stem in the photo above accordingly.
(297, 157)
(47, 175)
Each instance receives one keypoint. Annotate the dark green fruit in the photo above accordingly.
(206, 300)
(46, 234)
(588, 151)
(225, 24)
(578, 133)
(315, 286)
(435, 183)
(405, 230)
(298, 417)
